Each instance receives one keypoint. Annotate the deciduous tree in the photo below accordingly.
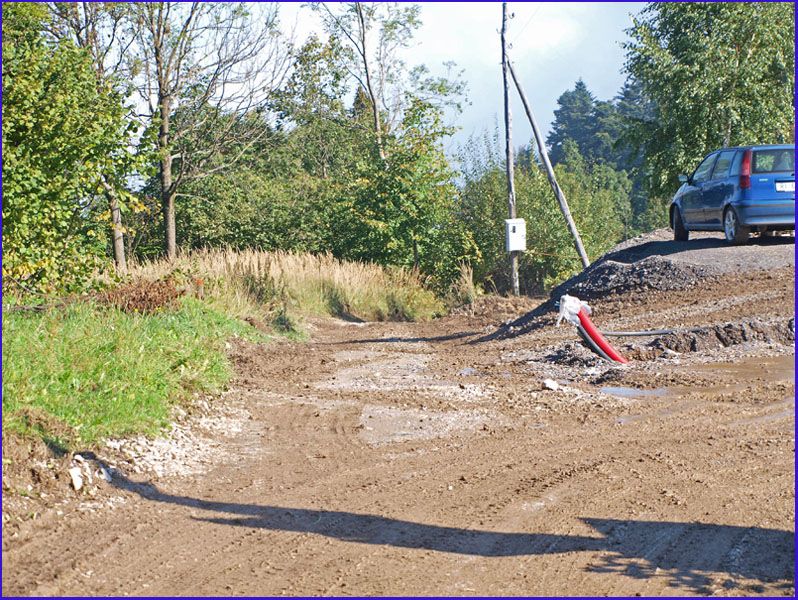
(204, 67)
(719, 74)
(64, 137)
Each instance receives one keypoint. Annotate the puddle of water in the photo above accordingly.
(770, 368)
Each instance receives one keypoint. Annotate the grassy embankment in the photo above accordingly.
(93, 368)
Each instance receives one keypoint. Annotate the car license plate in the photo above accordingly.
(785, 186)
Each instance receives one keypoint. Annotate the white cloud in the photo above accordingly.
(469, 32)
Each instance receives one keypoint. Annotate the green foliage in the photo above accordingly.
(103, 372)
(319, 184)
(64, 135)
(405, 213)
(600, 131)
(598, 197)
(719, 74)
(573, 120)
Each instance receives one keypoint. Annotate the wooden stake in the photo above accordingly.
(508, 126)
(550, 171)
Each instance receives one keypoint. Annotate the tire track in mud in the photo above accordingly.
(562, 500)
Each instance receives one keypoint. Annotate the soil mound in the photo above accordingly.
(729, 334)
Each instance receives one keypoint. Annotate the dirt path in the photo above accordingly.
(406, 459)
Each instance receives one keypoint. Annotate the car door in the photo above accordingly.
(718, 190)
(691, 201)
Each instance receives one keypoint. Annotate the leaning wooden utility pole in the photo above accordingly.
(508, 126)
(544, 156)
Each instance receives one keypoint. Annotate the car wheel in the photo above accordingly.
(680, 233)
(735, 233)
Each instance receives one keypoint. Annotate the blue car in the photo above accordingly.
(737, 191)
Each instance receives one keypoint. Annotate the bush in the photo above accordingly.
(598, 197)
(63, 133)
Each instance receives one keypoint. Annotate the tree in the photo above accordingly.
(101, 29)
(719, 74)
(204, 68)
(403, 213)
(635, 109)
(373, 36)
(312, 105)
(63, 137)
(572, 120)
(594, 125)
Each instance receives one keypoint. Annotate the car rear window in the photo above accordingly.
(773, 161)
(721, 169)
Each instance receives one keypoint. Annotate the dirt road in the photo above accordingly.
(387, 458)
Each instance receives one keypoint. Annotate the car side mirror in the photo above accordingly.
(684, 179)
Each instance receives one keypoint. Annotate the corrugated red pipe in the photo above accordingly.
(596, 336)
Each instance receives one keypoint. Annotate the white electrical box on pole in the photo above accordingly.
(515, 235)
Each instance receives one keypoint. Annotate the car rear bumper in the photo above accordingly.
(767, 214)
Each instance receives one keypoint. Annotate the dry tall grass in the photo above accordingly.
(284, 282)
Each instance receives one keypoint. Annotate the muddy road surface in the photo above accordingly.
(440, 458)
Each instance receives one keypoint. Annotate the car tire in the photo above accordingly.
(736, 233)
(680, 232)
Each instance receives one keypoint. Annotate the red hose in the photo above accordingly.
(600, 340)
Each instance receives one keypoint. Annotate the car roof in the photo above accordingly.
(758, 147)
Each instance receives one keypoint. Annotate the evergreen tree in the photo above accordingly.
(573, 120)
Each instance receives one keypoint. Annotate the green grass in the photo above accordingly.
(78, 373)
(95, 372)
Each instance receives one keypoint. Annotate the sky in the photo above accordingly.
(553, 45)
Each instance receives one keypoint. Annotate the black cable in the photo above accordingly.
(651, 332)
(591, 344)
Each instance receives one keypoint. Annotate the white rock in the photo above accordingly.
(87, 472)
(550, 384)
(77, 478)
(104, 473)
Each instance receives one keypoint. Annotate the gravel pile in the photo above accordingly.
(607, 277)
(651, 273)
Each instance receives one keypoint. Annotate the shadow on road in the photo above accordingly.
(686, 554)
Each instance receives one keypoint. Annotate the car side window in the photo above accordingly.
(721, 170)
(704, 169)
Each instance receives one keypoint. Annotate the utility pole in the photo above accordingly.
(544, 156)
(508, 126)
